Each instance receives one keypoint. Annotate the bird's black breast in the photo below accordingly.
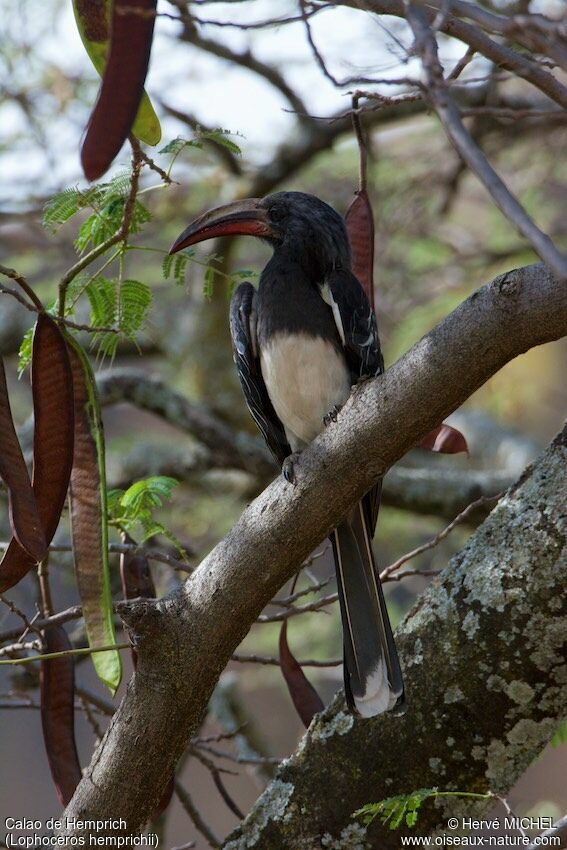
(289, 302)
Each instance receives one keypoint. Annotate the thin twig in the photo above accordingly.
(148, 160)
(239, 759)
(272, 660)
(392, 568)
(300, 609)
(185, 799)
(67, 322)
(362, 148)
(73, 613)
(44, 587)
(449, 115)
(467, 57)
(217, 779)
(29, 624)
(22, 282)
(20, 646)
(134, 548)
(121, 234)
(65, 652)
(93, 722)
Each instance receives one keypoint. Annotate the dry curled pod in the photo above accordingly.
(52, 390)
(305, 698)
(57, 684)
(359, 222)
(444, 439)
(122, 87)
(24, 513)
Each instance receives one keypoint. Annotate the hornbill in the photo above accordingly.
(300, 342)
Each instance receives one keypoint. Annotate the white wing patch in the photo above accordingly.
(327, 297)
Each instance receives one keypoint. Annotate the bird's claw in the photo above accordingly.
(288, 470)
(331, 416)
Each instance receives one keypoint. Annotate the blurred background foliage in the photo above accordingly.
(438, 238)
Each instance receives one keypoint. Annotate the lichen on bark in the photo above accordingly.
(483, 701)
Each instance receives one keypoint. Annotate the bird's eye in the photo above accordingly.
(277, 213)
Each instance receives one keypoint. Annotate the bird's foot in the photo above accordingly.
(288, 470)
(331, 416)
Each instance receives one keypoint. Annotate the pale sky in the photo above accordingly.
(216, 92)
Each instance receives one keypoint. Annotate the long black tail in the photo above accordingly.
(373, 678)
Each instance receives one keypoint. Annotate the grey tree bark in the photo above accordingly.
(185, 640)
(484, 655)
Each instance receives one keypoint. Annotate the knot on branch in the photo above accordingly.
(507, 284)
(142, 617)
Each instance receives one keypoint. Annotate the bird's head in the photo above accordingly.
(308, 229)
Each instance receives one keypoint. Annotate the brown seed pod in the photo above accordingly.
(52, 389)
(58, 714)
(122, 85)
(24, 514)
(304, 696)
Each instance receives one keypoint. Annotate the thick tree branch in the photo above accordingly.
(483, 652)
(185, 640)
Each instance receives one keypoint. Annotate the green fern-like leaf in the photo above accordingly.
(132, 509)
(209, 282)
(119, 187)
(101, 293)
(106, 344)
(221, 137)
(175, 265)
(176, 145)
(63, 206)
(394, 811)
(134, 302)
(107, 218)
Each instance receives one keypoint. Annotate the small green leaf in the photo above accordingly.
(63, 206)
(133, 508)
(209, 282)
(220, 136)
(176, 145)
(174, 265)
(25, 352)
(411, 818)
(394, 811)
(134, 302)
(101, 293)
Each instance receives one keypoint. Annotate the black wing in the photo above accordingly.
(243, 333)
(357, 328)
(356, 324)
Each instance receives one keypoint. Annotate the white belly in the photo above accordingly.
(305, 377)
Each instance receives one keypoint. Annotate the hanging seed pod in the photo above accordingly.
(122, 87)
(444, 439)
(359, 221)
(305, 698)
(24, 514)
(52, 390)
(87, 508)
(57, 685)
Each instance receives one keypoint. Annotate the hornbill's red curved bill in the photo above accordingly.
(300, 343)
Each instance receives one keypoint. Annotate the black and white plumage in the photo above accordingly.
(300, 342)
